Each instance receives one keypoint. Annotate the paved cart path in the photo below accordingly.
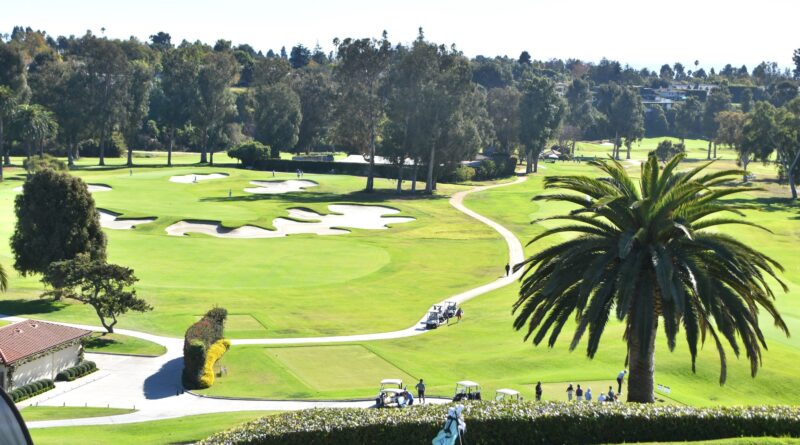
(151, 385)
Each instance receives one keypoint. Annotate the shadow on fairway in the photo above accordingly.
(312, 197)
(773, 204)
(166, 382)
(31, 307)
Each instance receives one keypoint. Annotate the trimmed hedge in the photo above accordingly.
(77, 371)
(214, 353)
(199, 338)
(31, 389)
(517, 422)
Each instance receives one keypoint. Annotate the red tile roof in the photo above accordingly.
(29, 337)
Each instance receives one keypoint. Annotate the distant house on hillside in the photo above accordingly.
(35, 350)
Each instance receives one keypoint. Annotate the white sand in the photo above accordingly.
(351, 216)
(278, 187)
(188, 179)
(109, 220)
(92, 188)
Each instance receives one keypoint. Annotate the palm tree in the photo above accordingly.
(37, 125)
(3, 279)
(644, 253)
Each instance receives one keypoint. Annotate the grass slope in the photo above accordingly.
(171, 431)
(36, 413)
(121, 344)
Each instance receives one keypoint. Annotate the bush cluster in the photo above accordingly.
(251, 152)
(77, 371)
(31, 389)
(36, 163)
(214, 353)
(199, 338)
(494, 168)
(517, 422)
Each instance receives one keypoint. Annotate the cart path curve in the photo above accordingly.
(151, 385)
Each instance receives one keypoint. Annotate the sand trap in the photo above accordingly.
(188, 179)
(278, 187)
(607, 144)
(352, 216)
(110, 220)
(92, 188)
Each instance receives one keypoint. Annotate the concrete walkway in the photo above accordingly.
(151, 385)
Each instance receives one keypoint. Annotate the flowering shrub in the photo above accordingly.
(213, 354)
(198, 340)
(517, 422)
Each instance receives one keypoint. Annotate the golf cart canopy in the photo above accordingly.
(507, 392)
(397, 382)
(468, 384)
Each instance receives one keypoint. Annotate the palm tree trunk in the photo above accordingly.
(130, 157)
(709, 149)
(528, 161)
(429, 179)
(103, 147)
(642, 363)
(169, 150)
(414, 177)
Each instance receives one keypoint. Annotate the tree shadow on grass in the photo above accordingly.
(31, 307)
(772, 204)
(166, 382)
(312, 197)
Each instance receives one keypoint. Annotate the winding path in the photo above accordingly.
(151, 385)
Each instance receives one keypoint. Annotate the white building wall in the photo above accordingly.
(3, 378)
(46, 367)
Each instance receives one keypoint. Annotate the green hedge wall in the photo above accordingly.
(31, 389)
(77, 371)
(517, 422)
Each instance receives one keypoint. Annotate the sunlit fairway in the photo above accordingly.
(35, 413)
(485, 348)
(301, 285)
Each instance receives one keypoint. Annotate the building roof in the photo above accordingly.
(30, 337)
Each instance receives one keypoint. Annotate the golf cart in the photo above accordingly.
(507, 394)
(388, 397)
(450, 309)
(391, 383)
(467, 390)
(434, 320)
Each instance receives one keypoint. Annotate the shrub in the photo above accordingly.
(517, 422)
(31, 389)
(251, 152)
(36, 163)
(463, 173)
(487, 169)
(214, 353)
(199, 339)
(77, 371)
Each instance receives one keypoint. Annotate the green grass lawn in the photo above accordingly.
(485, 348)
(35, 413)
(121, 344)
(302, 285)
(171, 431)
(740, 441)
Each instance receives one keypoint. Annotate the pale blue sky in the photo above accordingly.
(639, 32)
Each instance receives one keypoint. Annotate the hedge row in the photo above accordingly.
(213, 354)
(31, 389)
(76, 372)
(198, 339)
(491, 422)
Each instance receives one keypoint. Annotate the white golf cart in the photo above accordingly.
(467, 390)
(434, 320)
(391, 383)
(507, 394)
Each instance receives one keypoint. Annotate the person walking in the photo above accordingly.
(570, 391)
(579, 394)
(538, 391)
(459, 314)
(620, 379)
(588, 394)
(421, 391)
(508, 268)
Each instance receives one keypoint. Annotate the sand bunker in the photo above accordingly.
(188, 179)
(278, 187)
(351, 216)
(111, 220)
(92, 188)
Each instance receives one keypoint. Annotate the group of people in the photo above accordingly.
(576, 392)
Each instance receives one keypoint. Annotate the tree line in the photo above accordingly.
(423, 106)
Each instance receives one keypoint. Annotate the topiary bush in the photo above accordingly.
(463, 173)
(517, 422)
(250, 152)
(199, 339)
(77, 371)
(31, 389)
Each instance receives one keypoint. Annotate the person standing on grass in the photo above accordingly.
(459, 314)
(570, 391)
(508, 268)
(620, 379)
(538, 391)
(588, 394)
(421, 391)
(579, 393)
